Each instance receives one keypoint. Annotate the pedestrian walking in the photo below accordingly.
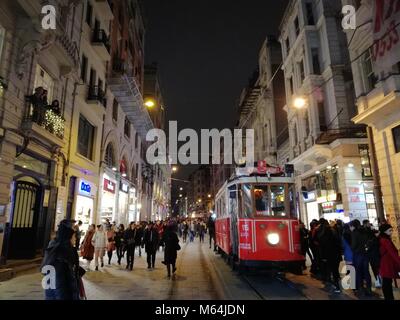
(359, 243)
(78, 234)
(119, 242)
(372, 249)
(305, 244)
(129, 238)
(150, 243)
(110, 243)
(99, 242)
(390, 261)
(314, 247)
(87, 248)
(185, 231)
(330, 253)
(202, 232)
(62, 255)
(139, 238)
(171, 244)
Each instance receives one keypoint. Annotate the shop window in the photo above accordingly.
(365, 161)
(396, 138)
(109, 158)
(85, 138)
(44, 80)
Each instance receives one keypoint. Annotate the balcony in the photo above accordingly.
(44, 124)
(331, 135)
(101, 44)
(96, 95)
(105, 7)
(123, 85)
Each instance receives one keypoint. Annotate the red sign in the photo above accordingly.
(262, 167)
(123, 167)
(385, 51)
(109, 186)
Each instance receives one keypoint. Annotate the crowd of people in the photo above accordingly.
(66, 248)
(362, 247)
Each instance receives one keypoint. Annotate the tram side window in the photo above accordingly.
(292, 195)
(261, 197)
(232, 205)
(278, 201)
(247, 202)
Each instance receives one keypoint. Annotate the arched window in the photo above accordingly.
(109, 158)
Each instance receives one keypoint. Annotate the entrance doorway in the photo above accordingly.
(25, 217)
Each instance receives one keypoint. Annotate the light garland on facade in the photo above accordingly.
(54, 123)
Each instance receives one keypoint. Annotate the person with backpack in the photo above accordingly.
(359, 245)
(390, 261)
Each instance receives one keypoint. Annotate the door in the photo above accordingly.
(24, 222)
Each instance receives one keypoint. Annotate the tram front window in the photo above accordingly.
(261, 196)
(278, 201)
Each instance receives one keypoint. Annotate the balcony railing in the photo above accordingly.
(47, 118)
(96, 94)
(331, 135)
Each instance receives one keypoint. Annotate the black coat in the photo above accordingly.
(129, 239)
(151, 240)
(330, 244)
(171, 242)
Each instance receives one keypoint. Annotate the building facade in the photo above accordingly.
(199, 192)
(39, 80)
(378, 100)
(329, 152)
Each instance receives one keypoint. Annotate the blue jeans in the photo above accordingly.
(361, 264)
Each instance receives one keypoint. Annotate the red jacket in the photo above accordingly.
(390, 260)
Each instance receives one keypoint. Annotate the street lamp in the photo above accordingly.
(299, 102)
(174, 169)
(209, 195)
(149, 102)
(181, 189)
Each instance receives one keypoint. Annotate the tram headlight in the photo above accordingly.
(273, 239)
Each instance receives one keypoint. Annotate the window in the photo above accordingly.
(278, 201)
(89, 13)
(84, 68)
(43, 79)
(2, 36)
(127, 128)
(310, 14)
(247, 202)
(295, 135)
(315, 60)
(297, 26)
(365, 161)
(261, 196)
(115, 110)
(291, 87)
(287, 43)
(307, 123)
(370, 78)
(301, 71)
(396, 138)
(109, 157)
(321, 114)
(85, 138)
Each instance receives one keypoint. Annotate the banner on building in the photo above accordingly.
(386, 34)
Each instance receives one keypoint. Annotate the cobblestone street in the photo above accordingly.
(201, 275)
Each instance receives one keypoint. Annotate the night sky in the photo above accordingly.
(206, 51)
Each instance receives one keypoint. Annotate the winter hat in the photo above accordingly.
(385, 227)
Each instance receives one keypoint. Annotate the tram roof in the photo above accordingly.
(255, 179)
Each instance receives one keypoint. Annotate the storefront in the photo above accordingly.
(132, 209)
(84, 203)
(108, 199)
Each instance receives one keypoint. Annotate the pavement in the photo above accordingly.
(201, 275)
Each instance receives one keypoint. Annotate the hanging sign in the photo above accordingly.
(386, 34)
(109, 186)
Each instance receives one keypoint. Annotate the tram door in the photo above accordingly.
(233, 213)
(24, 224)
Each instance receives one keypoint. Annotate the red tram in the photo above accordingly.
(256, 223)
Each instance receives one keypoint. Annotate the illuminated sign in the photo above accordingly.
(109, 186)
(85, 188)
(124, 187)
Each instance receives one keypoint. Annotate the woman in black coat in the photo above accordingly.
(171, 242)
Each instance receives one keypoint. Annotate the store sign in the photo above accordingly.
(109, 186)
(85, 188)
(124, 187)
(385, 51)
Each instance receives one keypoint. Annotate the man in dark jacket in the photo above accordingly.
(129, 240)
(151, 242)
(359, 242)
(171, 242)
(330, 253)
(372, 250)
(211, 230)
(61, 257)
(139, 237)
(305, 243)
